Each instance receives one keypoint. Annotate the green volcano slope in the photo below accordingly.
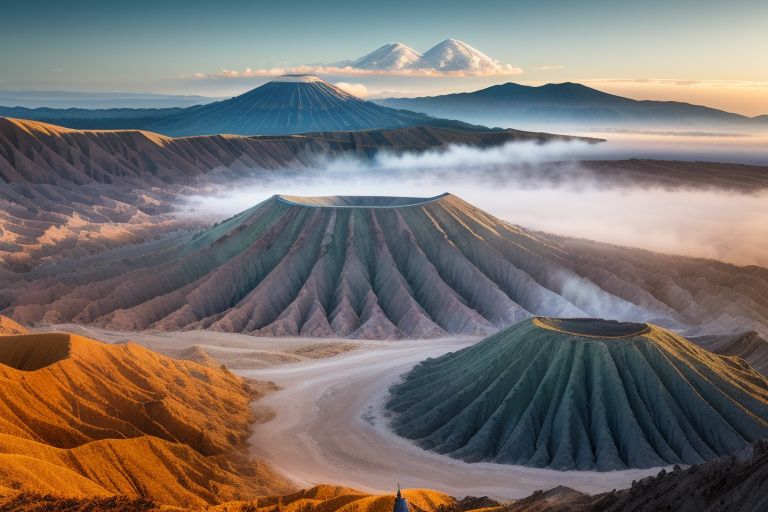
(380, 268)
(582, 394)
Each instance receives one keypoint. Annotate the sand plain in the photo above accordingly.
(328, 423)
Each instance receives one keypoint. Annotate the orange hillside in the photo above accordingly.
(323, 498)
(9, 327)
(84, 418)
(330, 498)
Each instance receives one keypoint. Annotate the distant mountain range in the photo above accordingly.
(300, 103)
(92, 99)
(568, 105)
(287, 105)
(450, 55)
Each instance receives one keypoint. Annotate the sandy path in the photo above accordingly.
(329, 428)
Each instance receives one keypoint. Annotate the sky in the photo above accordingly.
(703, 51)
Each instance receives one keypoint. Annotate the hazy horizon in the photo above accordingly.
(666, 53)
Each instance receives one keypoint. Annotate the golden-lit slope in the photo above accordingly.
(322, 498)
(31, 502)
(167, 472)
(94, 391)
(9, 327)
(83, 418)
(331, 498)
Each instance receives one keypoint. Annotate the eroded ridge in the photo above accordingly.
(382, 268)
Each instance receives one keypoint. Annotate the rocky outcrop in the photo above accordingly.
(736, 483)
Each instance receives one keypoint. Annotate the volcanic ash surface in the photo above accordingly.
(582, 394)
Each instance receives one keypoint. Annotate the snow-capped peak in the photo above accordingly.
(449, 56)
(454, 55)
(391, 56)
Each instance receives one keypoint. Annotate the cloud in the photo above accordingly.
(546, 68)
(500, 70)
(358, 90)
(409, 94)
(677, 81)
(517, 183)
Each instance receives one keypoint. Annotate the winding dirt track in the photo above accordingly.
(329, 428)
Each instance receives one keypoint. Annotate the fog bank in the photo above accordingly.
(512, 183)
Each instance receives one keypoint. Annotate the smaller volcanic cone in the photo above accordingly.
(582, 394)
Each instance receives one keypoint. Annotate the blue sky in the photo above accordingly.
(148, 46)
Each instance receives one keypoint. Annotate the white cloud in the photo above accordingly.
(677, 81)
(501, 70)
(547, 68)
(358, 90)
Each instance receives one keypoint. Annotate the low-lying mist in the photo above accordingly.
(732, 147)
(515, 183)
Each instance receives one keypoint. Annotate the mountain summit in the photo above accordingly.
(391, 56)
(288, 104)
(454, 55)
(450, 55)
(556, 105)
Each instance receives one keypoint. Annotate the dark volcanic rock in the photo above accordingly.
(737, 483)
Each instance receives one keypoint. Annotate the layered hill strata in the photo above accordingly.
(35, 152)
(582, 394)
(69, 192)
(748, 345)
(80, 418)
(383, 268)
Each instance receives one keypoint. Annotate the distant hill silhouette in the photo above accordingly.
(286, 105)
(565, 104)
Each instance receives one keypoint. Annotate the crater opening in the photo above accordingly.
(30, 352)
(358, 201)
(594, 327)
